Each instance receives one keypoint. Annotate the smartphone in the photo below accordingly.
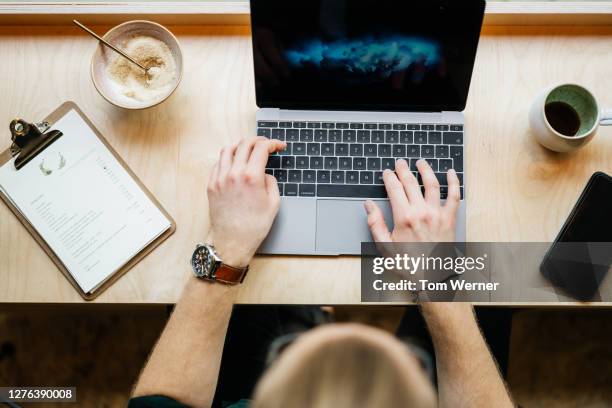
(580, 256)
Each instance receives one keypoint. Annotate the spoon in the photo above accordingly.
(111, 46)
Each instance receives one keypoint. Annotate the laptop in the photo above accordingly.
(352, 86)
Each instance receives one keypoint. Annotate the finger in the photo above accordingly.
(225, 161)
(262, 150)
(272, 189)
(376, 222)
(454, 193)
(214, 175)
(410, 183)
(397, 196)
(430, 182)
(243, 152)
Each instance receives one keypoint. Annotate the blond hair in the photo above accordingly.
(345, 366)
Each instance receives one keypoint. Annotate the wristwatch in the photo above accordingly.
(207, 264)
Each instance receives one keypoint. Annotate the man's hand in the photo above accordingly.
(416, 218)
(467, 374)
(243, 203)
(243, 199)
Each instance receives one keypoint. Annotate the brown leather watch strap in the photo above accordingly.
(230, 275)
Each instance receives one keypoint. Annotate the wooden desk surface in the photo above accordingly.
(517, 190)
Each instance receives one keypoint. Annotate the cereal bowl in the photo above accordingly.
(124, 84)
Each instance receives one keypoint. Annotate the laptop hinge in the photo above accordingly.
(357, 116)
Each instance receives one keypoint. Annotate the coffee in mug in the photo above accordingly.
(566, 117)
(563, 118)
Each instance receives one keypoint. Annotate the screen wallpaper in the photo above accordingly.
(385, 54)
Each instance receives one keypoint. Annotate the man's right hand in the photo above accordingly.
(416, 218)
(243, 199)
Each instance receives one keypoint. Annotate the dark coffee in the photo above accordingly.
(563, 118)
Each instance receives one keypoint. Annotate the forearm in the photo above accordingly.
(185, 362)
(467, 373)
(242, 202)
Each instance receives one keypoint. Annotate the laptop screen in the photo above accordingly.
(379, 55)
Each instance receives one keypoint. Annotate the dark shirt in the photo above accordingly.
(159, 401)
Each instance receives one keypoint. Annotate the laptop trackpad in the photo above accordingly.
(293, 231)
(342, 225)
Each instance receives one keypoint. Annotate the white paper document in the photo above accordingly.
(84, 204)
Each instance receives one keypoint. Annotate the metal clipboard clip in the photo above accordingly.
(29, 139)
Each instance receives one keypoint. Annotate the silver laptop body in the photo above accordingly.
(352, 86)
(337, 226)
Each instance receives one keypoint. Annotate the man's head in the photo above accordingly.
(345, 366)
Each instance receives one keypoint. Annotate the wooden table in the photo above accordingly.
(517, 190)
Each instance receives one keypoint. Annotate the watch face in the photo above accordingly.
(203, 261)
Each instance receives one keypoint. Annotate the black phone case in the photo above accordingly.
(580, 286)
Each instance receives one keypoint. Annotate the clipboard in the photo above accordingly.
(35, 144)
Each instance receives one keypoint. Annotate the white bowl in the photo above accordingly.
(103, 56)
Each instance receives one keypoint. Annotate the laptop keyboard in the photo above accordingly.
(343, 159)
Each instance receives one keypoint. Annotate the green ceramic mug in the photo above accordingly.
(566, 117)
